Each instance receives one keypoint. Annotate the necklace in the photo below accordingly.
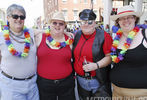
(16, 39)
(19, 36)
(57, 44)
(118, 57)
(10, 45)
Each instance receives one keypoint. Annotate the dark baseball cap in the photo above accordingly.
(87, 14)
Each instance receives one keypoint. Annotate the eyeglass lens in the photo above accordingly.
(60, 24)
(124, 18)
(85, 22)
(17, 16)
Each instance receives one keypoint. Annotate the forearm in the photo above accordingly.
(38, 32)
(91, 66)
(38, 36)
(104, 62)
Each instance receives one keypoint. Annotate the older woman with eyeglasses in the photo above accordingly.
(55, 74)
(129, 53)
(18, 58)
(91, 50)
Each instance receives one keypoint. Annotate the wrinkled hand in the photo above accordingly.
(91, 66)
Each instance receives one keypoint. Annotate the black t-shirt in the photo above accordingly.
(131, 72)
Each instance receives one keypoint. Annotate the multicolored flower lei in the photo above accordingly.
(118, 57)
(57, 44)
(10, 45)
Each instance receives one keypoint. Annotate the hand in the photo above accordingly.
(91, 66)
(37, 32)
(69, 34)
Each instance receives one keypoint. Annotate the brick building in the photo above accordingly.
(71, 8)
(102, 8)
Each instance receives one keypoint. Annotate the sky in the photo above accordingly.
(33, 8)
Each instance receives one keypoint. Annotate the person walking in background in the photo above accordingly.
(91, 52)
(129, 53)
(55, 73)
(18, 58)
(107, 29)
(114, 30)
(144, 25)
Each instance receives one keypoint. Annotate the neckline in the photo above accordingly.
(134, 47)
(87, 37)
(117, 57)
(10, 45)
(51, 40)
(21, 33)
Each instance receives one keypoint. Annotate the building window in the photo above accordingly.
(94, 1)
(75, 13)
(117, 4)
(56, 2)
(64, 1)
(75, 1)
(65, 13)
(144, 5)
(85, 1)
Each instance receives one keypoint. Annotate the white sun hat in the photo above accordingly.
(125, 11)
(58, 16)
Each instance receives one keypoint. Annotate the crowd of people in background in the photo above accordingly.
(109, 29)
(96, 61)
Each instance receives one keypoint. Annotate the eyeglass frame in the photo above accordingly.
(60, 24)
(15, 16)
(128, 18)
(89, 22)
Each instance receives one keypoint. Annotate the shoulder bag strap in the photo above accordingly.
(143, 33)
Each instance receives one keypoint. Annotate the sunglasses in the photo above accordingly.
(86, 21)
(17, 16)
(55, 23)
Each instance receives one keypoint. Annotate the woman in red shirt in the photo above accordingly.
(55, 78)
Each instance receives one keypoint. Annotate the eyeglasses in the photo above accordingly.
(17, 16)
(86, 21)
(55, 23)
(128, 18)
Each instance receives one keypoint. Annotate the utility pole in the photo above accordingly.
(92, 4)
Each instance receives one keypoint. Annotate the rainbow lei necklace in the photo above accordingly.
(57, 44)
(118, 57)
(10, 45)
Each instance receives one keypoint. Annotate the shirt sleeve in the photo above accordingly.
(107, 43)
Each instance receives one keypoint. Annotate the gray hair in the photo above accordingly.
(13, 7)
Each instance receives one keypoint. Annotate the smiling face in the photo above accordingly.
(127, 23)
(88, 27)
(16, 24)
(57, 26)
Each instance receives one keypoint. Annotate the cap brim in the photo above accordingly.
(57, 19)
(115, 17)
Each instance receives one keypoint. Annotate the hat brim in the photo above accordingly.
(115, 17)
(57, 19)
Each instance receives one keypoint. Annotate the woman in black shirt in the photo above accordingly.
(129, 54)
